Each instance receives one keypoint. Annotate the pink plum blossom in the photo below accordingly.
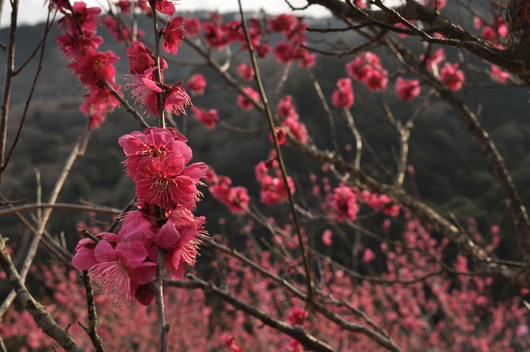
(197, 84)
(407, 89)
(343, 97)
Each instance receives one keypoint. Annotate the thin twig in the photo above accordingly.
(279, 156)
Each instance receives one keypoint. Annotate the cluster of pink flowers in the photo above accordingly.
(492, 31)
(343, 203)
(218, 34)
(197, 84)
(273, 190)
(235, 198)
(244, 102)
(343, 97)
(452, 76)
(380, 202)
(294, 29)
(290, 120)
(433, 60)
(166, 190)
(407, 89)
(367, 68)
(207, 117)
(145, 85)
(92, 67)
(245, 71)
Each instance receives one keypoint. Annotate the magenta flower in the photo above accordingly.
(296, 128)
(122, 268)
(84, 258)
(407, 89)
(167, 7)
(168, 183)
(178, 238)
(244, 102)
(286, 109)
(245, 71)
(140, 58)
(283, 23)
(214, 35)
(452, 76)
(343, 97)
(82, 17)
(208, 117)
(361, 67)
(342, 204)
(498, 75)
(173, 34)
(153, 142)
(138, 226)
(193, 27)
(273, 190)
(97, 66)
(145, 91)
(197, 84)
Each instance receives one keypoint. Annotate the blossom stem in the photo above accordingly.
(157, 63)
(158, 286)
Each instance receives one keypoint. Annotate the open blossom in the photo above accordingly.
(433, 60)
(342, 204)
(245, 71)
(178, 238)
(116, 266)
(82, 17)
(98, 102)
(283, 23)
(122, 268)
(273, 190)
(286, 109)
(235, 198)
(167, 7)
(246, 104)
(97, 66)
(407, 89)
(296, 129)
(192, 26)
(208, 117)
(280, 135)
(361, 67)
(215, 35)
(343, 97)
(197, 84)
(498, 75)
(153, 142)
(141, 59)
(452, 76)
(168, 183)
(145, 91)
(326, 237)
(156, 161)
(173, 34)
(367, 68)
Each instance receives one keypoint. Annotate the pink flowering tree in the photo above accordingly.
(341, 253)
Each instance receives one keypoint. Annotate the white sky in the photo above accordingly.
(34, 11)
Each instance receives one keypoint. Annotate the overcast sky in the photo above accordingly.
(34, 11)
